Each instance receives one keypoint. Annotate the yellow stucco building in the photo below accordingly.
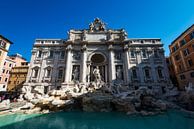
(17, 77)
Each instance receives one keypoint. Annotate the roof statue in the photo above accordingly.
(97, 25)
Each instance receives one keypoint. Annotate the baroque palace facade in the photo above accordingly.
(57, 63)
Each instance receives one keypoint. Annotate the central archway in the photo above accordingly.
(98, 59)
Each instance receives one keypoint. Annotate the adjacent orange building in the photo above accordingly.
(4, 48)
(4, 77)
(9, 63)
(182, 57)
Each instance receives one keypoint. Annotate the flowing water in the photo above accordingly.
(83, 120)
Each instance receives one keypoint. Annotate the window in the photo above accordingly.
(3, 70)
(4, 63)
(3, 86)
(175, 48)
(134, 73)
(60, 74)
(182, 42)
(9, 82)
(2, 44)
(144, 55)
(5, 79)
(192, 35)
(177, 57)
(153, 41)
(35, 73)
(132, 54)
(160, 74)
(10, 65)
(0, 53)
(182, 77)
(147, 73)
(186, 52)
(39, 54)
(0, 78)
(51, 54)
(190, 62)
(192, 74)
(62, 54)
(7, 71)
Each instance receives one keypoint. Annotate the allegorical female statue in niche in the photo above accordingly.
(76, 74)
(119, 73)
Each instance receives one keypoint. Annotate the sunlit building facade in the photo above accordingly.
(57, 63)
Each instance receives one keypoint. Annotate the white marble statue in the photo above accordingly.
(97, 75)
(119, 73)
(76, 74)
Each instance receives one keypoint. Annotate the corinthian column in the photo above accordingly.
(68, 64)
(126, 64)
(83, 65)
(111, 67)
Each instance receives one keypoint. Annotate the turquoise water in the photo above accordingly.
(83, 120)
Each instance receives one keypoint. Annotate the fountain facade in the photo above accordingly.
(97, 56)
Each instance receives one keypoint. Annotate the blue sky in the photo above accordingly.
(22, 21)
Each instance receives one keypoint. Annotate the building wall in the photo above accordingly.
(9, 63)
(171, 71)
(4, 47)
(182, 55)
(17, 77)
(18, 59)
(44, 62)
(7, 66)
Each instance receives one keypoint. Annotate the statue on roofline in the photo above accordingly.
(97, 25)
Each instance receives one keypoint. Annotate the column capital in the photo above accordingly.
(84, 48)
(110, 47)
(126, 47)
(69, 48)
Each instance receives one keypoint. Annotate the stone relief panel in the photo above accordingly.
(118, 55)
(76, 55)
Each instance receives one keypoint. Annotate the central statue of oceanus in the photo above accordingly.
(97, 76)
